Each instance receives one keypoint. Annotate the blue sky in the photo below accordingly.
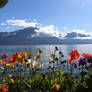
(64, 15)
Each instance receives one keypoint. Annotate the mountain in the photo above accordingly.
(75, 35)
(27, 36)
(30, 36)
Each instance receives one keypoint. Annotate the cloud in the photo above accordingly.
(65, 28)
(35, 20)
(87, 34)
(81, 32)
(50, 30)
(21, 23)
(3, 24)
(81, 3)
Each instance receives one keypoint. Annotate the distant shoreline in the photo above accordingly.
(45, 44)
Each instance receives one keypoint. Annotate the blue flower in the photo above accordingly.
(82, 61)
(89, 60)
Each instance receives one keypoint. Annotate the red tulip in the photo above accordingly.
(5, 88)
(74, 55)
(4, 56)
(70, 62)
(86, 55)
(0, 87)
(12, 60)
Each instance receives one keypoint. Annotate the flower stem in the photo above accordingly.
(71, 70)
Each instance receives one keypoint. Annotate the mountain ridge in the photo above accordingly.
(30, 36)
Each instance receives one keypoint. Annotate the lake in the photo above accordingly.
(47, 50)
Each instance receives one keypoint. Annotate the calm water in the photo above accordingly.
(46, 50)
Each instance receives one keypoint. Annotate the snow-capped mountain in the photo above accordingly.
(35, 36)
(76, 35)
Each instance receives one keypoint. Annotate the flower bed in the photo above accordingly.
(15, 79)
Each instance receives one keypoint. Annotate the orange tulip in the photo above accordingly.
(3, 63)
(56, 87)
(37, 56)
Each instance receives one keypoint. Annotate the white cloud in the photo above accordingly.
(21, 23)
(35, 20)
(80, 3)
(65, 28)
(50, 30)
(47, 29)
(3, 24)
(81, 32)
(83, 37)
(88, 34)
(63, 34)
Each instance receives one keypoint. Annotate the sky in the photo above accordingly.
(57, 15)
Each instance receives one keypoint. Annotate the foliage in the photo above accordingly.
(3, 3)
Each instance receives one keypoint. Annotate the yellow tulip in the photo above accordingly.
(0, 60)
(21, 61)
(11, 64)
(8, 64)
(9, 76)
(12, 81)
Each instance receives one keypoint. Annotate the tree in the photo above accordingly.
(3, 3)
